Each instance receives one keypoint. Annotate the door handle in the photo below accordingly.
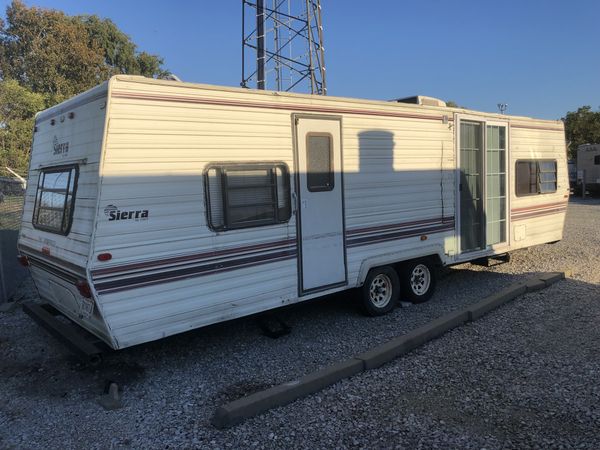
(294, 203)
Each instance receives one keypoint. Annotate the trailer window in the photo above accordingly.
(55, 199)
(535, 177)
(248, 195)
(319, 176)
(597, 160)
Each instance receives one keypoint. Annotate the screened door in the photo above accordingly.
(495, 196)
(471, 186)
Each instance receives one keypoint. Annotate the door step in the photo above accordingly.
(273, 326)
(490, 261)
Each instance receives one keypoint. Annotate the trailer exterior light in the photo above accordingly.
(84, 289)
(424, 237)
(24, 260)
(104, 257)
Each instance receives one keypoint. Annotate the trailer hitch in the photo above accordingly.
(84, 345)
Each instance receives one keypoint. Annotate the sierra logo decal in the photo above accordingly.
(60, 148)
(114, 213)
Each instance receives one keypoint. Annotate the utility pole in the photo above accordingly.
(260, 44)
(282, 45)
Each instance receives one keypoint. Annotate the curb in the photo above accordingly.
(407, 342)
(241, 409)
(238, 410)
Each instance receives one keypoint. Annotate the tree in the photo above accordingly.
(582, 127)
(59, 56)
(48, 52)
(46, 57)
(18, 106)
(120, 53)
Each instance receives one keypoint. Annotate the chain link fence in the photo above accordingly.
(12, 195)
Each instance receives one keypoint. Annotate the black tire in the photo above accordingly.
(380, 291)
(418, 280)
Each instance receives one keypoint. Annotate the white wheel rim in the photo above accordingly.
(380, 290)
(420, 279)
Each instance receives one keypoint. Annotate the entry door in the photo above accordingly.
(320, 203)
(483, 185)
(471, 186)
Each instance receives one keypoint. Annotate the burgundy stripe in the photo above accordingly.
(398, 235)
(531, 208)
(58, 263)
(184, 277)
(54, 270)
(400, 225)
(538, 214)
(536, 127)
(198, 256)
(190, 272)
(222, 102)
(238, 251)
(538, 211)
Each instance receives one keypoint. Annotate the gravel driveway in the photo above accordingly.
(524, 376)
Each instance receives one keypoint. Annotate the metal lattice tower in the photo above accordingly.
(282, 45)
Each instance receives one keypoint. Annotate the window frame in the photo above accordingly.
(272, 166)
(330, 187)
(74, 169)
(539, 182)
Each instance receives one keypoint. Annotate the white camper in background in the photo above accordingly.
(588, 167)
(155, 207)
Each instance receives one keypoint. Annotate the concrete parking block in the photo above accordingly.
(413, 339)
(534, 284)
(238, 410)
(552, 277)
(254, 404)
(389, 351)
(495, 300)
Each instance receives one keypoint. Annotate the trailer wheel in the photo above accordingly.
(418, 280)
(381, 291)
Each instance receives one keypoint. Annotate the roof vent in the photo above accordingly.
(421, 100)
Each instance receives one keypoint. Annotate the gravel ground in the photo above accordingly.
(524, 376)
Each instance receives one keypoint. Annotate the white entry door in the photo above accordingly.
(320, 203)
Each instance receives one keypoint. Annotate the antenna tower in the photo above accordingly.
(282, 45)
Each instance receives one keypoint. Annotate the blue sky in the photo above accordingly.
(540, 57)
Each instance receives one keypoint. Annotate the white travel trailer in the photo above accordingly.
(588, 167)
(155, 207)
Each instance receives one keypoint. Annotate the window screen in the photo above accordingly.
(536, 177)
(248, 195)
(319, 177)
(55, 199)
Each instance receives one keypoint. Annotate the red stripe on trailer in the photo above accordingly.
(285, 106)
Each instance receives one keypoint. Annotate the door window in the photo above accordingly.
(319, 163)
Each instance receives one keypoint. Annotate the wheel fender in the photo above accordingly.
(396, 257)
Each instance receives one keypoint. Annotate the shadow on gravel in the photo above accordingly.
(182, 379)
(234, 358)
